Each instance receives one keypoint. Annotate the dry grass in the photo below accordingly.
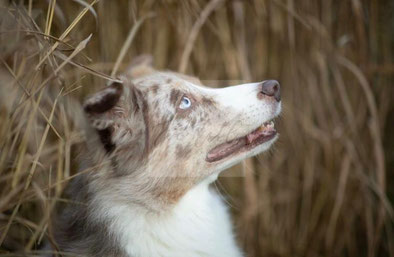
(326, 188)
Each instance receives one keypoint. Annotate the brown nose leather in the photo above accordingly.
(271, 88)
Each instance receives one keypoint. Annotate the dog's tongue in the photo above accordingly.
(264, 130)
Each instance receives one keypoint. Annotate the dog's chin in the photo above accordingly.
(237, 157)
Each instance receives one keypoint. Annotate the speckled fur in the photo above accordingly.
(147, 192)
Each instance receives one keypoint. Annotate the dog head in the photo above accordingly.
(164, 133)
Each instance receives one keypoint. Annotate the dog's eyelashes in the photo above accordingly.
(185, 103)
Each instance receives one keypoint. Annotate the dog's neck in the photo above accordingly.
(198, 225)
(106, 224)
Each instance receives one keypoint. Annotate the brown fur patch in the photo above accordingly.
(175, 189)
(174, 96)
(174, 195)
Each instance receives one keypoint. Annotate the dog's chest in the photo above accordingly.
(198, 226)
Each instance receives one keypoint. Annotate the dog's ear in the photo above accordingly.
(102, 108)
(104, 100)
(141, 66)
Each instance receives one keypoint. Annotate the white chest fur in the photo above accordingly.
(199, 225)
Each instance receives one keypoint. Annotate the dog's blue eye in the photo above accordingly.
(185, 103)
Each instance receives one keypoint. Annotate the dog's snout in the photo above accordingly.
(271, 88)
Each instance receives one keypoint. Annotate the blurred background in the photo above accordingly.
(327, 186)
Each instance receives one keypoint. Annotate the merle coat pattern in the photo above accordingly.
(154, 144)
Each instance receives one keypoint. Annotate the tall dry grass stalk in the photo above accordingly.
(325, 189)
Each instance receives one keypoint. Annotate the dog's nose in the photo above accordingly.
(271, 88)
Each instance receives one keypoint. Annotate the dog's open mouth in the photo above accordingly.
(257, 137)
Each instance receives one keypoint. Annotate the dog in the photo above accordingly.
(154, 145)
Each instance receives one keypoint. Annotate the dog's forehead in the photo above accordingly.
(166, 81)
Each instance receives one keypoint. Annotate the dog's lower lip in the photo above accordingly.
(262, 134)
